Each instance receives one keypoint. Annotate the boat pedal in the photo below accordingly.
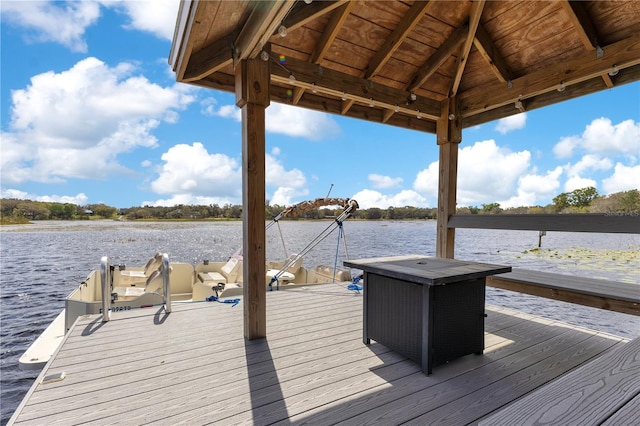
(52, 378)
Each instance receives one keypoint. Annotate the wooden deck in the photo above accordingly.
(194, 366)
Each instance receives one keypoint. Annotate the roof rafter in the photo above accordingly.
(210, 59)
(265, 18)
(582, 23)
(623, 54)
(330, 32)
(355, 89)
(399, 34)
(490, 53)
(436, 60)
(303, 13)
(586, 30)
(328, 36)
(474, 20)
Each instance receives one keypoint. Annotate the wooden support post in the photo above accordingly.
(449, 135)
(252, 96)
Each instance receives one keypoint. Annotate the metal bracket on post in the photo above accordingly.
(105, 278)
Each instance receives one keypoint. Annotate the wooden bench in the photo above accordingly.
(605, 391)
(603, 294)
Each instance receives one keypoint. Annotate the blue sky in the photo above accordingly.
(91, 113)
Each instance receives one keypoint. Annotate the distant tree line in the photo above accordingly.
(585, 200)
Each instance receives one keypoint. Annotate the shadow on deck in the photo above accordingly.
(196, 368)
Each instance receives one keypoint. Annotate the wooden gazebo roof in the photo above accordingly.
(433, 66)
(395, 62)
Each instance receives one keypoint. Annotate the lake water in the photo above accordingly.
(40, 264)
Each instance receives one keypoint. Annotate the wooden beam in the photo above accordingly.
(346, 106)
(586, 30)
(303, 13)
(399, 34)
(436, 60)
(265, 18)
(182, 43)
(328, 36)
(474, 21)
(262, 23)
(387, 114)
(448, 138)
(210, 59)
(360, 90)
(253, 97)
(588, 222)
(330, 105)
(582, 23)
(491, 55)
(297, 94)
(624, 53)
(331, 31)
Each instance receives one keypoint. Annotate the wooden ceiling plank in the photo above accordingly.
(210, 59)
(303, 13)
(263, 22)
(623, 54)
(474, 21)
(436, 60)
(331, 31)
(490, 53)
(399, 34)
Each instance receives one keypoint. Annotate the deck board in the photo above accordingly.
(194, 366)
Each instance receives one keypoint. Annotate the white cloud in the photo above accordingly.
(286, 120)
(486, 173)
(565, 147)
(190, 171)
(49, 21)
(577, 182)
(75, 123)
(533, 187)
(289, 183)
(602, 137)
(368, 198)
(587, 163)
(78, 199)
(157, 17)
(426, 181)
(513, 122)
(66, 22)
(192, 175)
(623, 179)
(384, 182)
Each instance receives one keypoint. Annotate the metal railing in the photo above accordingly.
(105, 278)
(165, 283)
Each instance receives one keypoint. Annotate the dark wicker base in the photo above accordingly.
(428, 324)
